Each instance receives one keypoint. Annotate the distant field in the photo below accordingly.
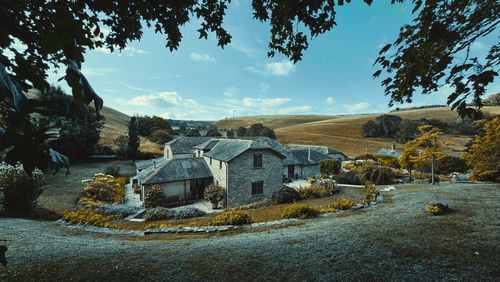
(269, 121)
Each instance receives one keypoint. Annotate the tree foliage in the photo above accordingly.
(161, 136)
(133, 139)
(434, 50)
(329, 167)
(492, 100)
(484, 154)
(257, 129)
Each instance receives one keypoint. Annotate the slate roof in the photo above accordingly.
(277, 146)
(178, 170)
(303, 157)
(185, 145)
(227, 149)
(147, 163)
(320, 149)
(388, 152)
(208, 145)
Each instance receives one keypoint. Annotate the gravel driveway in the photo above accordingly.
(392, 241)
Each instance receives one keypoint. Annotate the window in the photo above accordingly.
(257, 187)
(220, 164)
(257, 160)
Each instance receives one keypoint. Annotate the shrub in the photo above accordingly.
(378, 175)
(389, 161)
(232, 218)
(329, 167)
(366, 157)
(370, 193)
(342, 204)
(19, 192)
(121, 211)
(176, 213)
(214, 194)
(349, 177)
(89, 217)
(160, 136)
(300, 211)
(450, 164)
(436, 178)
(315, 191)
(105, 189)
(113, 170)
(285, 195)
(437, 209)
(155, 197)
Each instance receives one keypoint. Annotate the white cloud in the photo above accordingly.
(265, 103)
(127, 51)
(283, 68)
(201, 57)
(357, 107)
(230, 91)
(295, 110)
(159, 100)
(98, 71)
(330, 101)
(264, 87)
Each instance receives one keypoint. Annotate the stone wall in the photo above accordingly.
(242, 174)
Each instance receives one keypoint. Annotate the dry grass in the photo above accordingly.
(115, 124)
(270, 121)
(148, 146)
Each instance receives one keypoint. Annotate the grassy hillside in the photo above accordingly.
(115, 124)
(344, 133)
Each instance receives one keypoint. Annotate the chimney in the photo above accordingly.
(309, 154)
(154, 164)
(394, 145)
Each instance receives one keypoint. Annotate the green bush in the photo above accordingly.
(155, 197)
(214, 194)
(329, 167)
(366, 157)
(450, 164)
(285, 195)
(105, 189)
(161, 136)
(19, 192)
(349, 177)
(300, 211)
(113, 170)
(232, 218)
(378, 175)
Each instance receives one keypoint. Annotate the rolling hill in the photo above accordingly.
(344, 132)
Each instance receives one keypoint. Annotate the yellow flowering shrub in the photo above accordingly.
(370, 193)
(89, 217)
(437, 209)
(104, 188)
(315, 191)
(233, 217)
(349, 166)
(342, 204)
(300, 211)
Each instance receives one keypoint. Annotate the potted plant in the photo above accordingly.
(214, 194)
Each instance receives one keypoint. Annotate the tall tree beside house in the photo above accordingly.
(257, 129)
(431, 145)
(484, 154)
(407, 159)
(133, 138)
(213, 133)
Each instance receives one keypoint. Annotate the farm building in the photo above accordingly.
(324, 150)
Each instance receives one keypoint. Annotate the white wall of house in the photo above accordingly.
(219, 171)
(168, 154)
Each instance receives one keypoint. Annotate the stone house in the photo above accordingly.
(324, 150)
(309, 162)
(250, 171)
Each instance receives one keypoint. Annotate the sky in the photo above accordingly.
(201, 81)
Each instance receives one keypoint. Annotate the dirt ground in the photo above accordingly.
(394, 240)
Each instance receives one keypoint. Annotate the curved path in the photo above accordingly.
(394, 240)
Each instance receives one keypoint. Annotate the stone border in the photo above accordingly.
(96, 229)
(206, 229)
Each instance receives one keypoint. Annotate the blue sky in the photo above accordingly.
(201, 81)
